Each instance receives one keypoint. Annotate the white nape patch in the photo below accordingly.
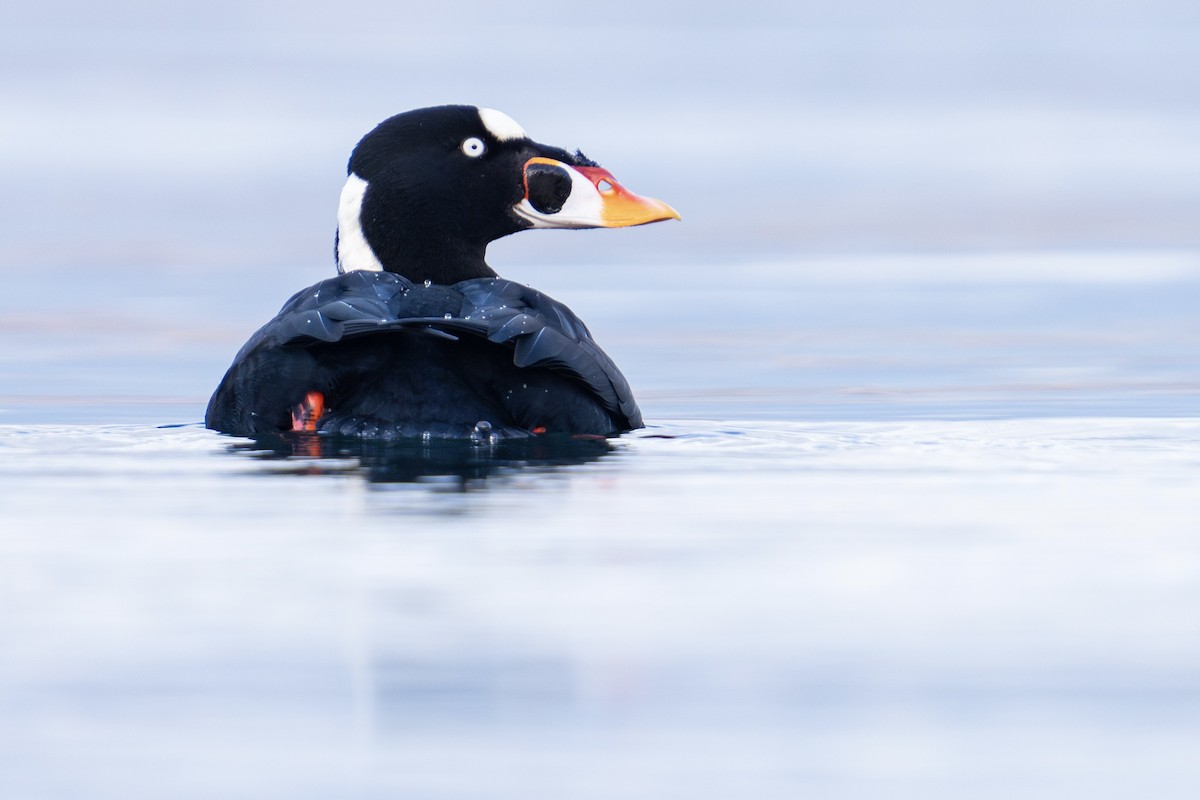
(584, 207)
(353, 251)
(501, 125)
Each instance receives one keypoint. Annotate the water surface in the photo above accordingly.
(703, 608)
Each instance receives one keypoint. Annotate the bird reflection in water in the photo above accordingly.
(471, 462)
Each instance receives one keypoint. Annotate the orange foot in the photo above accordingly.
(307, 413)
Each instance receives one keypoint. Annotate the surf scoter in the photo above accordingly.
(417, 336)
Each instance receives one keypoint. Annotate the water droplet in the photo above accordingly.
(428, 283)
(483, 433)
(445, 316)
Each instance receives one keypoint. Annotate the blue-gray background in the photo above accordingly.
(171, 175)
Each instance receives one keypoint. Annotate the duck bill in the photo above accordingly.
(558, 195)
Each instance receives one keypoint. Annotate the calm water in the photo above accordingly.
(920, 608)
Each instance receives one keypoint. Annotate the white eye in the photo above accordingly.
(474, 147)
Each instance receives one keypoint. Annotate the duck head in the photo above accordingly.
(429, 189)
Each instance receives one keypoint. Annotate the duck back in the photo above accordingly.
(391, 358)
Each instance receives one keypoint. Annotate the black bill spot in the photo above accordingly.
(549, 187)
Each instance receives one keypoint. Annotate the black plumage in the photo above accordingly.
(398, 359)
(419, 337)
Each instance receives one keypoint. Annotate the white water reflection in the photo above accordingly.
(744, 608)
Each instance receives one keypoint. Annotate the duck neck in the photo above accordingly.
(442, 263)
(419, 249)
(437, 262)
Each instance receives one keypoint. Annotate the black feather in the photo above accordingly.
(394, 358)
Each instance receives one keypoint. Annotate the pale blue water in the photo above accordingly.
(967, 608)
(915, 514)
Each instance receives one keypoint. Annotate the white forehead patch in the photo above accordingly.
(354, 252)
(501, 125)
